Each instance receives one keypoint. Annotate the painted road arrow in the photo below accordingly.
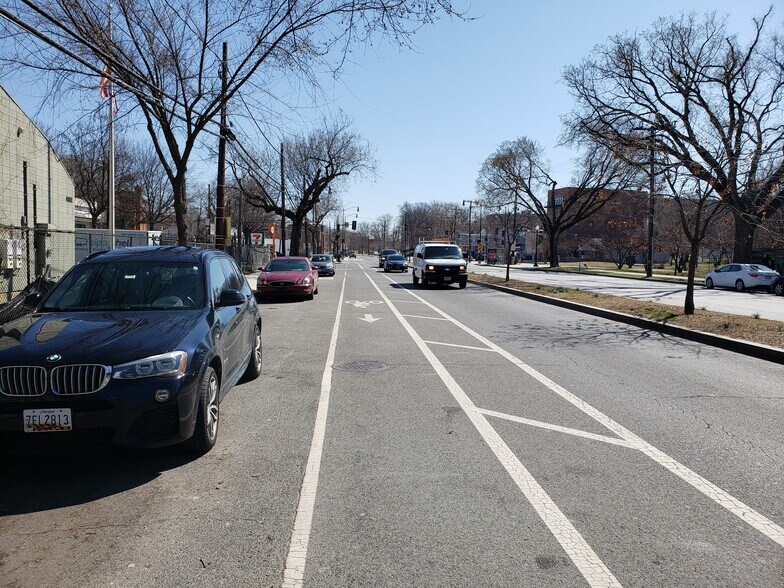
(369, 318)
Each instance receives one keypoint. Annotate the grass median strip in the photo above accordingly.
(748, 328)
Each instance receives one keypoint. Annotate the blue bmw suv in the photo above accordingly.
(133, 346)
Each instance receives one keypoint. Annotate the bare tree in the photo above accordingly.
(697, 211)
(157, 199)
(312, 163)
(166, 54)
(84, 154)
(518, 169)
(696, 95)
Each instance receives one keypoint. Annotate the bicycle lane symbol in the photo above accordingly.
(363, 303)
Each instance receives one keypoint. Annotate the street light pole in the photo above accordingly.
(651, 210)
(536, 246)
(470, 205)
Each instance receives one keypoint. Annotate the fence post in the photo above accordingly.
(39, 242)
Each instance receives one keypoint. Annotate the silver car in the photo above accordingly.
(741, 276)
(324, 263)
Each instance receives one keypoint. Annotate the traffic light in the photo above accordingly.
(353, 225)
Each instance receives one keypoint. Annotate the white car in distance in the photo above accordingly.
(741, 276)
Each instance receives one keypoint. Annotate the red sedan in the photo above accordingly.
(292, 276)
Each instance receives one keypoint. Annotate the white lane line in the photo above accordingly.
(557, 428)
(723, 498)
(431, 318)
(359, 265)
(582, 555)
(406, 301)
(456, 345)
(294, 572)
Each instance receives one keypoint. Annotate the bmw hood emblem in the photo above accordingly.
(54, 357)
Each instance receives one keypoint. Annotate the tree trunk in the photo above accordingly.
(296, 229)
(553, 241)
(181, 208)
(688, 304)
(744, 238)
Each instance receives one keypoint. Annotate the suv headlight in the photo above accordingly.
(462, 269)
(170, 365)
(431, 268)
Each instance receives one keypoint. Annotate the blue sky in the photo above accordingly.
(436, 113)
(433, 114)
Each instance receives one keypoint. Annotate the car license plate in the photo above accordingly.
(44, 420)
(447, 278)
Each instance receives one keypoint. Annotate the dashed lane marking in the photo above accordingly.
(431, 318)
(557, 428)
(456, 345)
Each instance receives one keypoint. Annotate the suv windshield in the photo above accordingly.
(320, 258)
(396, 258)
(124, 285)
(388, 252)
(443, 252)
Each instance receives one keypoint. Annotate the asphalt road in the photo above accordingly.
(719, 299)
(402, 436)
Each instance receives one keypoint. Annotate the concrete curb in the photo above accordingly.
(756, 350)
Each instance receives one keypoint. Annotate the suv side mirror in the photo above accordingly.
(230, 297)
(32, 300)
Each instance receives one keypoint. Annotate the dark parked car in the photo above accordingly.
(777, 287)
(324, 263)
(382, 257)
(395, 263)
(132, 346)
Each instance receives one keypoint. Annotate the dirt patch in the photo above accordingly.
(752, 329)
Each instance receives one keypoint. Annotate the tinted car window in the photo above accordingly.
(234, 279)
(321, 258)
(218, 279)
(118, 285)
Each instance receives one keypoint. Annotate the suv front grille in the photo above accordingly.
(23, 380)
(79, 379)
(26, 381)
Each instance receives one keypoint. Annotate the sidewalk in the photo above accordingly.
(528, 266)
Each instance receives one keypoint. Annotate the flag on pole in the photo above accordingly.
(104, 88)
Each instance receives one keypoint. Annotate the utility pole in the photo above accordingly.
(220, 197)
(282, 204)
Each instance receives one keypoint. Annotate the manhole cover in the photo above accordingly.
(360, 366)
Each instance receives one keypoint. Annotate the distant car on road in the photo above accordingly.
(133, 346)
(288, 276)
(741, 276)
(395, 263)
(382, 257)
(324, 263)
(352, 253)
